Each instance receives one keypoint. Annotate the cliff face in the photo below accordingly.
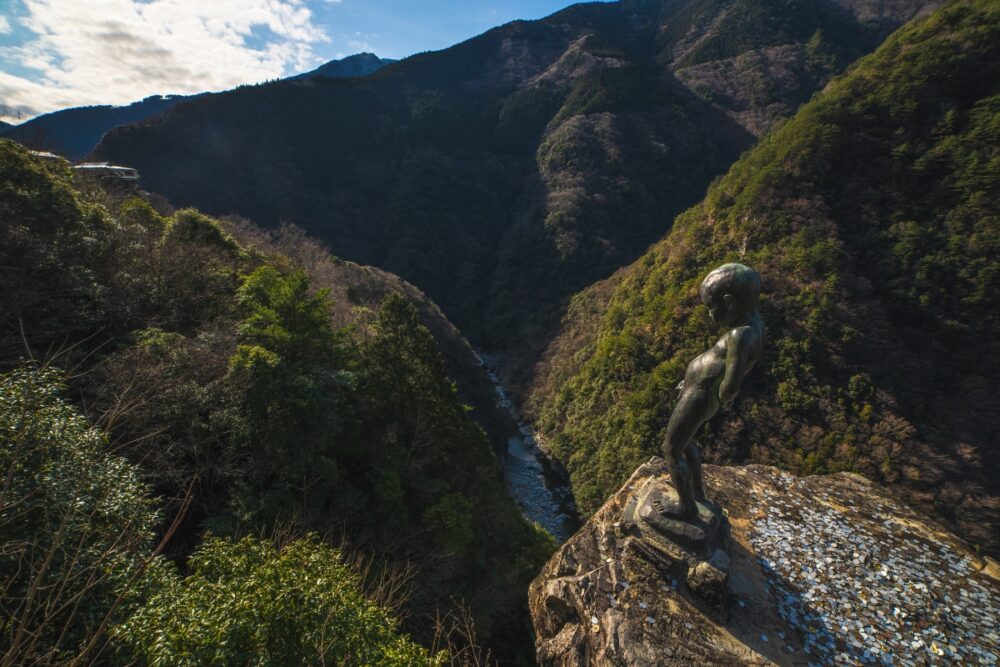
(823, 569)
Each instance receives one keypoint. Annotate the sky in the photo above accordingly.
(56, 54)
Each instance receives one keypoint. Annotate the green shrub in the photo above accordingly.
(252, 602)
(194, 226)
(76, 525)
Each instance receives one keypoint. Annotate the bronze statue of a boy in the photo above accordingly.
(714, 378)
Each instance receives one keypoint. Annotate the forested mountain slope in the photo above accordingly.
(510, 171)
(212, 358)
(873, 217)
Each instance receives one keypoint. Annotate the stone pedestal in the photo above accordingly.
(679, 549)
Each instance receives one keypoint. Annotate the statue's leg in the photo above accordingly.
(693, 456)
(680, 475)
(685, 420)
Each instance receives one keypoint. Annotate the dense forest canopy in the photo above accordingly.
(216, 371)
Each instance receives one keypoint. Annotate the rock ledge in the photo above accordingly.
(824, 570)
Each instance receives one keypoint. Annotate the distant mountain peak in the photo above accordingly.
(359, 64)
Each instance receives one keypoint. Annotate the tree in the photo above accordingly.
(291, 379)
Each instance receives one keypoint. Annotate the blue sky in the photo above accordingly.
(395, 29)
(60, 53)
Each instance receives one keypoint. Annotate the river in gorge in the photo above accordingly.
(533, 479)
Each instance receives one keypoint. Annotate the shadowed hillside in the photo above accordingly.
(508, 172)
(872, 216)
(73, 133)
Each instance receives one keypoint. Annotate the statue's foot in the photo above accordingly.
(675, 508)
(660, 508)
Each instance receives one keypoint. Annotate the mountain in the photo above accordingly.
(73, 133)
(360, 64)
(873, 217)
(508, 172)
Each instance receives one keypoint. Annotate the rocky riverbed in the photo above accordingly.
(540, 489)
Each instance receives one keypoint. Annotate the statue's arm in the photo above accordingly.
(738, 362)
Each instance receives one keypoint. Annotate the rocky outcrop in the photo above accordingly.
(738, 86)
(823, 570)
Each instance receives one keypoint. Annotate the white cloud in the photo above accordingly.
(4, 26)
(117, 51)
(359, 41)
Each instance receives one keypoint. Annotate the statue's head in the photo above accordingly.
(731, 292)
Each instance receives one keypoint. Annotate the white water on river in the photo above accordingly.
(542, 498)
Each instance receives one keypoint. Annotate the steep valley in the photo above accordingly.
(506, 173)
(436, 314)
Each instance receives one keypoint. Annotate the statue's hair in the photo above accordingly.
(737, 279)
